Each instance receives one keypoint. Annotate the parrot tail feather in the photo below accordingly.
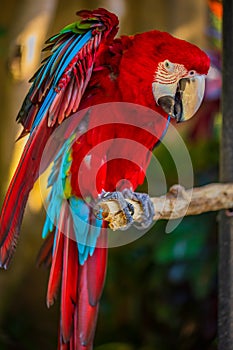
(69, 284)
(81, 283)
(85, 311)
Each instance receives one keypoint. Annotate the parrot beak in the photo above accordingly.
(180, 100)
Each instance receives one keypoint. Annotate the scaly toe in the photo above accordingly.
(146, 204)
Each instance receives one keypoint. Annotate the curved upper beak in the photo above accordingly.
(180, 100)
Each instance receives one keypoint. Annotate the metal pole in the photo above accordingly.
(225, 311)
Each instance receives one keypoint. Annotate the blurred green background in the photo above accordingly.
(161, 291)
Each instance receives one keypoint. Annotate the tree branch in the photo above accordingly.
(177, 203)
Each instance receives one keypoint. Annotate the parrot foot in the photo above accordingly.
(146, 205)
(125, 207)
(128, 209)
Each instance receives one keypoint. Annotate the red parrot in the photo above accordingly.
(88, 67)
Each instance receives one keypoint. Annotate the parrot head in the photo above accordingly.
(178, 91)
(170, 71)
(179, 81)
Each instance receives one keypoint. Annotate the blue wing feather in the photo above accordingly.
(48, 67)
(44, 107)
(70, 54)
(86, 233)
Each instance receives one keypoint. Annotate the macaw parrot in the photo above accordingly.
(88, 66)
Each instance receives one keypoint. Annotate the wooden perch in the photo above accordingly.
(177, 203)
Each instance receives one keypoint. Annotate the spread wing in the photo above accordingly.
(61, 80)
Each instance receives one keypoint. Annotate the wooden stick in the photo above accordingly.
(177, 203)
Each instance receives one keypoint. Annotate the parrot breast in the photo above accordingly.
(114, 155)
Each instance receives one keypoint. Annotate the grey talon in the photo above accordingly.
(146, 204)
(126, 207)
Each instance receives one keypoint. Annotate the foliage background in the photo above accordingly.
(160, 291)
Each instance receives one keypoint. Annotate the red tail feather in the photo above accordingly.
(79, 292)
(57, 262)
(96, 271)
(87, 314)
(69, 287)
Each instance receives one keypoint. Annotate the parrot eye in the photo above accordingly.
(167, 64)
(192, 73)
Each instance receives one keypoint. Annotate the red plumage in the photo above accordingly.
(56, 269)
(96, 271)
(69, 286)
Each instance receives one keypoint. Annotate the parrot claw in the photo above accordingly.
(146, 204)
(128, 209)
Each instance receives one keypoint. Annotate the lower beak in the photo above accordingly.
(180, 100)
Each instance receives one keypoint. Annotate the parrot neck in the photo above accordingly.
(136, 74)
